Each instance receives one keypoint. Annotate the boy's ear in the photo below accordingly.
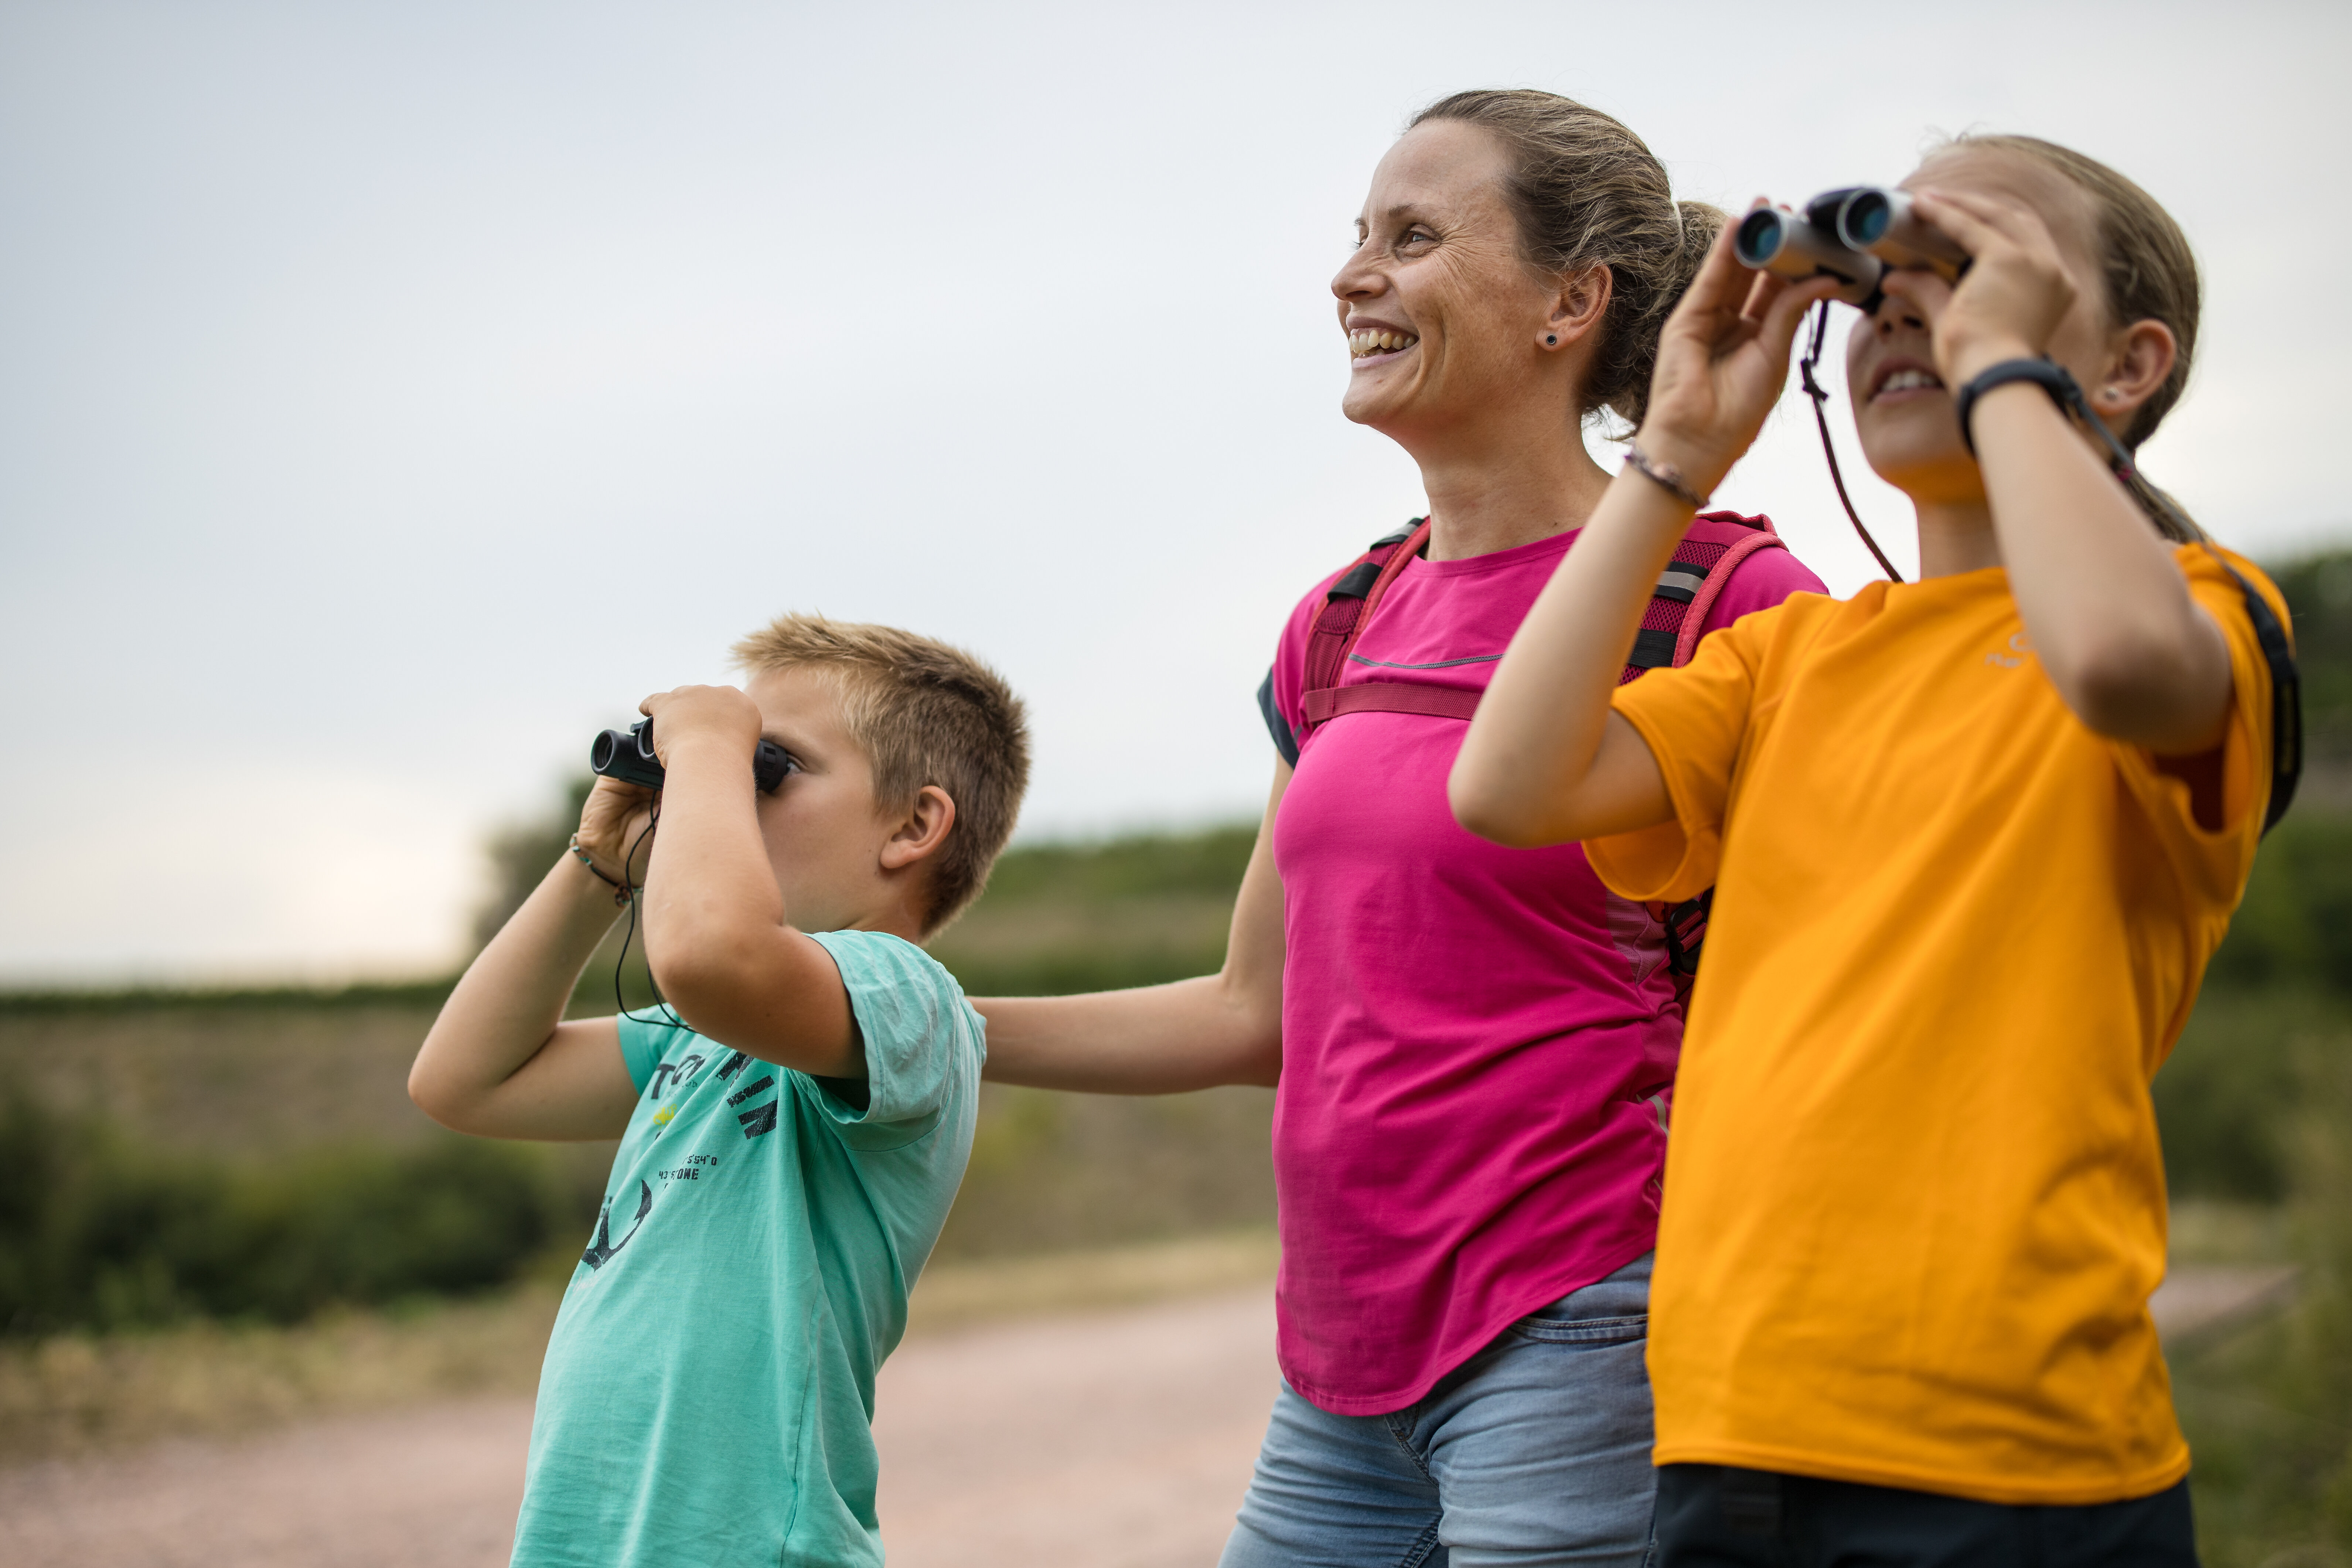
(921, 831)
(2138, 359)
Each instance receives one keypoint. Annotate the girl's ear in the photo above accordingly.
(2138, 360)
(1577, 309)
(921, 831)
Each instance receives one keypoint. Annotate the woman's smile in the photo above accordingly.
(1376, 342)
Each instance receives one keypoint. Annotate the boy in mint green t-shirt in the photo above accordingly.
(793, 1128)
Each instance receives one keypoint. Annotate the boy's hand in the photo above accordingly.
(613, 819)
(2016, 292)
(693, 715)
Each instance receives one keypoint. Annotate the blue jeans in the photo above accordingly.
(1534, 1452)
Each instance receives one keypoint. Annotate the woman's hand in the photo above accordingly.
(1723, 359)
(2016, 291)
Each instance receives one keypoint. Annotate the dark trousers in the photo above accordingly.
(1713, 1516)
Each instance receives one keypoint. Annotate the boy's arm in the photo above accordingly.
(500, 1062)
(1547, 761)
(1162, 1039)
(716, 930)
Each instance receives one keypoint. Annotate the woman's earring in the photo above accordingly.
(1552, 341)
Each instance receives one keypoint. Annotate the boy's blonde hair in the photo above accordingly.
(925, 713)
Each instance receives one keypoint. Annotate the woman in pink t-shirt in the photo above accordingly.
(1472, 1045)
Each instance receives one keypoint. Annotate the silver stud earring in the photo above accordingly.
(1552, 341)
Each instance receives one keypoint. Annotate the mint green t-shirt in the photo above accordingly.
(708, 1395)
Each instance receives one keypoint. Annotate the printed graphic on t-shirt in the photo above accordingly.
(671, 1083)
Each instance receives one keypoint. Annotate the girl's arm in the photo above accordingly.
(1546, 761)
(2105, 605)
(1162, 1039)
(500, 1062)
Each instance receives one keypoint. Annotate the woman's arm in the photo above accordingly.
(1546, 761)
(1224, 1028)
(2108, 611)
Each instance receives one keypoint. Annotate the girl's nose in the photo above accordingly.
(1891, 315)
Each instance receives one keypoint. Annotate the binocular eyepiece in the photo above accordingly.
(1855, 235)
(628, 756)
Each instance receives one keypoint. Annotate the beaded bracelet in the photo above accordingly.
(1664, 476)
(621, 890)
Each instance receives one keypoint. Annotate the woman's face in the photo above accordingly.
(1444, 317)
(1905, 415)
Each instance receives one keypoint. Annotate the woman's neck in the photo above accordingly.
(1480, 502)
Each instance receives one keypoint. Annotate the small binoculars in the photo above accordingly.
(1853, 234)
(628, 756)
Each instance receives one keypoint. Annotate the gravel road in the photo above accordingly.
(1112, 1440)
(1108, 1440)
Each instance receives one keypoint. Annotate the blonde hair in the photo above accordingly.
(1589, 192)
(924, 713)
(2148, 273)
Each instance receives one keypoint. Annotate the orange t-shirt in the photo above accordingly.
(1914, 1200)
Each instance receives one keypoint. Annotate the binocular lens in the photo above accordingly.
(1761, 235)
(627, 754)
(1861, 222)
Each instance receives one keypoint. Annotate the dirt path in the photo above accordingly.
(1115, 1439)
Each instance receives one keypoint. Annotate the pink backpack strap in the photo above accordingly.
(1347, 607)
(1390, 697)
(1754, 533)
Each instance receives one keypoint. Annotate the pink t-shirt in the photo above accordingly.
(1477, 1040)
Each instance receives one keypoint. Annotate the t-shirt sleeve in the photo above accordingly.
(644, 1041)
(1695, 720)
(1761, 581)
(913, 1021)
(2214, 862)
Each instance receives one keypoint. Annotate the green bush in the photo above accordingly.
(99, 1231)
(2296, 925)
(2269, 1411)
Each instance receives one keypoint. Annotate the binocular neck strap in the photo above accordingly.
(1820, 395)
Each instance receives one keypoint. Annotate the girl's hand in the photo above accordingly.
(616, 816)
(2013, 297)
(1722, 361)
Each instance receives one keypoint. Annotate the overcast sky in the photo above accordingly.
(391, 395)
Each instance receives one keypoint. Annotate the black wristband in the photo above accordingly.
(2049, 376)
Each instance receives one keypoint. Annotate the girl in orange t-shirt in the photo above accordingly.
(1973, 840)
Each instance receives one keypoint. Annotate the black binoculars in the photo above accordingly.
(628, 756)
(1853, 234)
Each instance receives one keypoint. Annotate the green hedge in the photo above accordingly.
(99, 1231)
